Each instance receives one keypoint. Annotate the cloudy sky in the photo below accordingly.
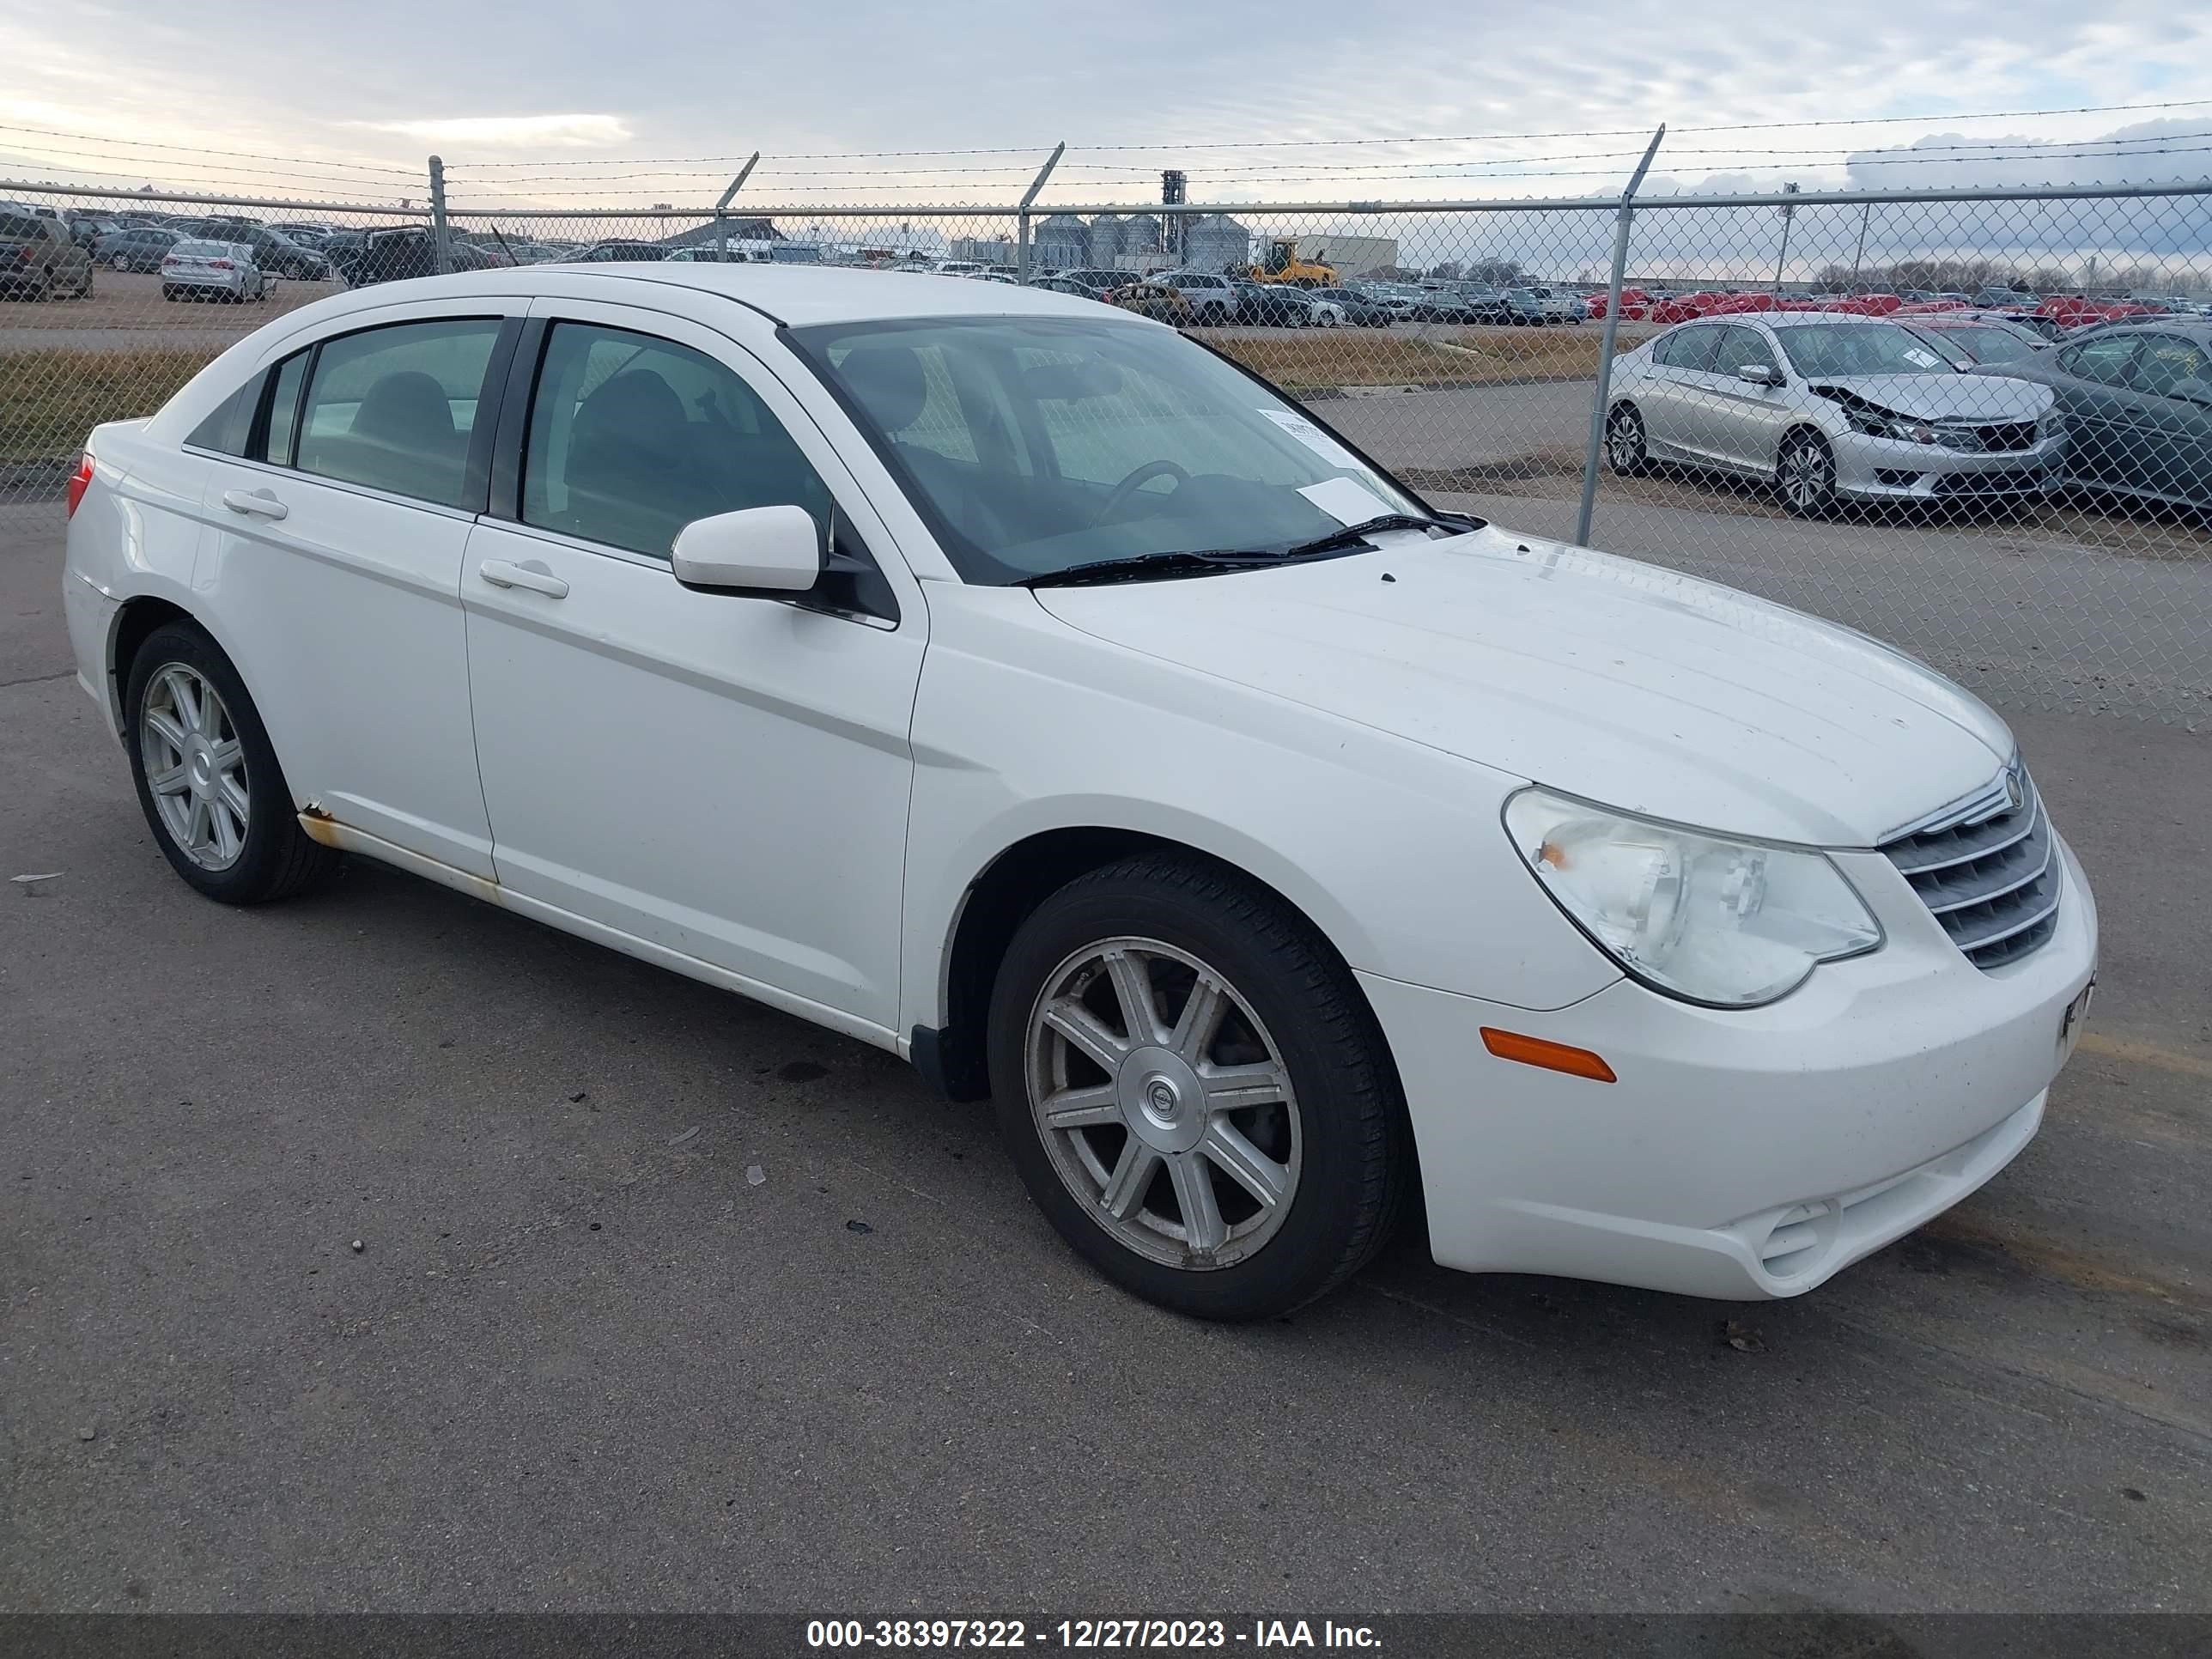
(538, 103)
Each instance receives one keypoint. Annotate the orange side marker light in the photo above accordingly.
(1552, 1057)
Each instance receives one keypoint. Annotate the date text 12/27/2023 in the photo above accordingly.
(1085, 1634)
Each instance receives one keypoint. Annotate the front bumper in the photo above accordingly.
(1893, 469)
(1741, 1154)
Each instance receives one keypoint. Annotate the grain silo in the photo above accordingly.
(1215, 242)
(1060, 242)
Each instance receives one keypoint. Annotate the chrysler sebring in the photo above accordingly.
(1014, 684)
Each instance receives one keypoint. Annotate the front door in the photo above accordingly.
(723, 776)
(1745, 420)
(2099, 410)
(2172, 455)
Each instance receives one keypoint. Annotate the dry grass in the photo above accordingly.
(51, 396)
(1308, 360)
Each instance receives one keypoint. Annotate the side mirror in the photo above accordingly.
(761, 549)
(1759, 373)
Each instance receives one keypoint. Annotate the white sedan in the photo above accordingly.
(214, 270)
(1013, 684)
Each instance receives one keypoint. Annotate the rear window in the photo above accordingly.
(226, 430)
(205, 250)
(20, 224)
(394, 407)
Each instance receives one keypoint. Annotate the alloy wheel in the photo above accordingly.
(1807, 477)
(1164, 1103)
(195, 766)
(1623, 441)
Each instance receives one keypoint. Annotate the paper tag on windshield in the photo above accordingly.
(1347, 501)
(1311, 436)
(1925, 359)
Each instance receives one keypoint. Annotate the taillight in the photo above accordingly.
(221, 264)
(80, 481)
(169, 260)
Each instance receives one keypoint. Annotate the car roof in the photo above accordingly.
(797, 295)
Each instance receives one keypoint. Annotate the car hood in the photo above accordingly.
(1597, 676)
(1937, 397)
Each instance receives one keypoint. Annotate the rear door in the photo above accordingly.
(2102, 411)
(335, 566)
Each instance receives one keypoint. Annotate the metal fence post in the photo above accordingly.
(441, 250)
(1604, 392)
(722, 231)
(1022, 214)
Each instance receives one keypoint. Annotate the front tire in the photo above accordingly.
(1193, 1090)
(208, 778)
(1625, 449)
(1805, 473)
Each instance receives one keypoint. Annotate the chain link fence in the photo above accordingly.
(1977, 424)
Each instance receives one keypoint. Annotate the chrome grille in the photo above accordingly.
(1987, 869)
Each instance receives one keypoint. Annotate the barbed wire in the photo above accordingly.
(194, 149)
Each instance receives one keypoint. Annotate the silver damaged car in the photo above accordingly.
(1830, 408)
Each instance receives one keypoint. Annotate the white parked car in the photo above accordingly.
(1009, 683)
(214, 270)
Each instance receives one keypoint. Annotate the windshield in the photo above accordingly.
(1034, 445)
(1982, 345)
(1844, 349)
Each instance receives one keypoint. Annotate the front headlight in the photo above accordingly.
(1733, 924)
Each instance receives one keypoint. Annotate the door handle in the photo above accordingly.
(258, 502)
(531, 574)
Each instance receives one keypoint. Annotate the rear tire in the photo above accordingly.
(1146, 1182)
(208, 778)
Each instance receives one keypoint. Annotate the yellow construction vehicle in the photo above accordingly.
(1284, 264)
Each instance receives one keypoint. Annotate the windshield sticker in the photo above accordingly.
(1925, 359)
(1347, 501)
(1311, 436)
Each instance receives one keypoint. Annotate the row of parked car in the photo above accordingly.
(1939, 407)
(2051, 315)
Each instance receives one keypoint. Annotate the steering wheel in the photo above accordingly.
(1130, 485)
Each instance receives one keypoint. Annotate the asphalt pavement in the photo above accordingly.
(664, 1300)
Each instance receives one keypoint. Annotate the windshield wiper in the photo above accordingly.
(1141, 566)
(1353, 534)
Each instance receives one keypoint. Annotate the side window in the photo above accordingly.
(2165, 361)
(284, 409)
(227, 427)
(393, 408)
(2105, 360)
(1691, 348)
(1743, 347)
(631, 437)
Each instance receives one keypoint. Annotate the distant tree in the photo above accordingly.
(1449, 271)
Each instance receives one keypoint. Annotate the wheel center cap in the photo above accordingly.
(199, 763)
(1161, 1099)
